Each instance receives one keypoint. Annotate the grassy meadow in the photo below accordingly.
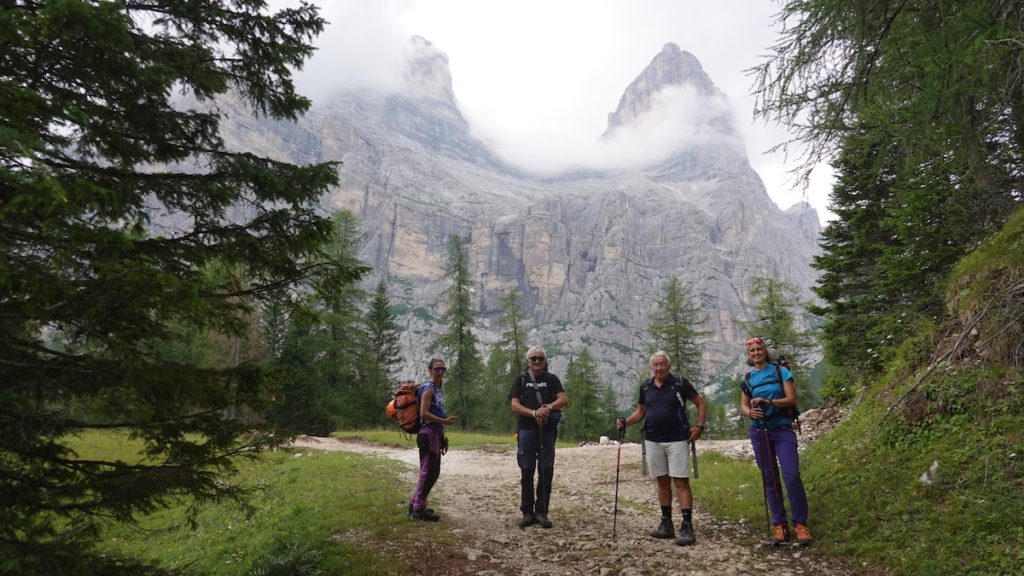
(339, 513)
(308, 508)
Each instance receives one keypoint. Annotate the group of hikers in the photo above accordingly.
(767, 397)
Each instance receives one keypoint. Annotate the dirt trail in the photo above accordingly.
(478, 499)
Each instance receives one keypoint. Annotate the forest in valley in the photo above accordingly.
(211, 342)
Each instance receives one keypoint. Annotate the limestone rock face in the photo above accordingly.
(590, 251)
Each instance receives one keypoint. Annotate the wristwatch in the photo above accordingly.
(701, 426)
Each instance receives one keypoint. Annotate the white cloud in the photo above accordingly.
(363, 47)
(537, 79)
(679, 118)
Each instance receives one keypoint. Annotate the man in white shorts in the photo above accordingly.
(667, 438)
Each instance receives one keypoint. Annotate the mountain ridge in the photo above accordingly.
(589, 249)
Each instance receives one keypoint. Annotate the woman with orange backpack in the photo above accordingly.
(430, 439)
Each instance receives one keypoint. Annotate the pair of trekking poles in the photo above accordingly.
(618, 461)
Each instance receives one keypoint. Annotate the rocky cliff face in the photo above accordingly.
(590, 251)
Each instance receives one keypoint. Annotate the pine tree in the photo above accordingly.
(383, 341)
(591, 416)
(505, 362)
(329, 356)
(113, 203)
(675, 327)
(458, 344)
(858, 314)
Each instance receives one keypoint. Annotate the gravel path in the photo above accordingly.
(478, 498)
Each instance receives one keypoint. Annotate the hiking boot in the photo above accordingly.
(686, 537)
(779, 534)
(527, 520)
(428, 510)
(664, 529)
(425, 515)
(802, 534)
(542, 519)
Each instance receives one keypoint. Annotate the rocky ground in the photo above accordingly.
(478, 497)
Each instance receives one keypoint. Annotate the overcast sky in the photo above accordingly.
(537, 79)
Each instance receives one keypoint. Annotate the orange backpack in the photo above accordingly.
(404, 408)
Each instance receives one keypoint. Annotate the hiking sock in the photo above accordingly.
(688, 515)
(666, 512)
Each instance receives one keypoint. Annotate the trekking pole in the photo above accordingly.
(763, 435)
(643, 453)
(774, 471)
(618, 459)
(693, 452)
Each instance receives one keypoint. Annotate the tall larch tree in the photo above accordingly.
(592, 413)
(458, 344)
(506, 359)
(675, 326)
(383, 338)
(920, 107)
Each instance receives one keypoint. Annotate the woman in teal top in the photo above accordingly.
(766, 393)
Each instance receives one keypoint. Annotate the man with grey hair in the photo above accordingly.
(667, 438)
(537, 398)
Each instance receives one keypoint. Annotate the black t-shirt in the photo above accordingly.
(525, 387)
(665, 419)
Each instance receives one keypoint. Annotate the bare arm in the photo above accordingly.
(702, 417)
(426, 416)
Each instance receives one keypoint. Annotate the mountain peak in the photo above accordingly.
(670, 67)
(427, 72)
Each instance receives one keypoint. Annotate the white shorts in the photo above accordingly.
(671, 458)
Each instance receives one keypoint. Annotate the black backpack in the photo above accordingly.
(791, 412)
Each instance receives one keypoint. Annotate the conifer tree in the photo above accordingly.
(114, 201)
(921, 106)
(591, 416)
(329, 353)
(675, 327)
(505, 361)
(384, 345)
(458, 344)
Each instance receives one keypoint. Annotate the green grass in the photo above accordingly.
(730, 489)
(330, 510)
(969, 521)
(325, 507)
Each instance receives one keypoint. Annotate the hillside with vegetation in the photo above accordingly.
(926, 476)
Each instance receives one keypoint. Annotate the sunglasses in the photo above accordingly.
(536, 358)
(440, 370)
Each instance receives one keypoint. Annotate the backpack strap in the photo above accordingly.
(677, 387)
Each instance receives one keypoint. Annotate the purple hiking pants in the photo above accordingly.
(429, 442)
(780, 452)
